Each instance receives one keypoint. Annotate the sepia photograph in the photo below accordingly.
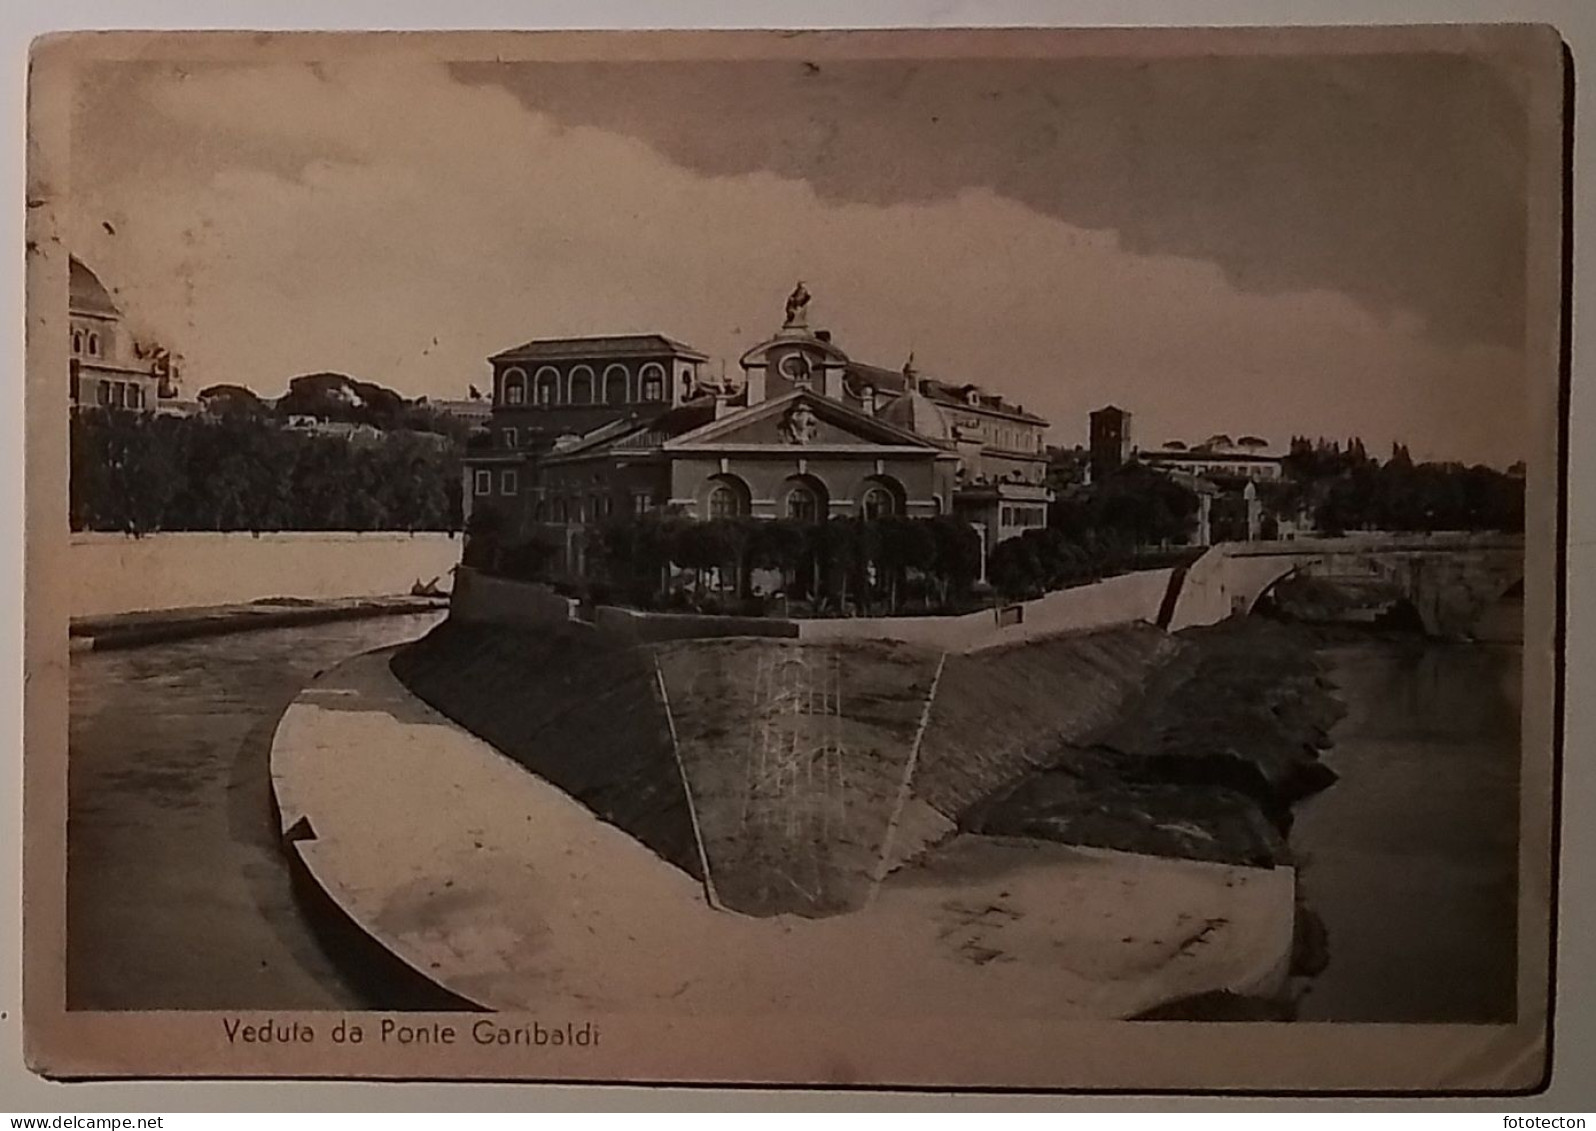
(1013, 559)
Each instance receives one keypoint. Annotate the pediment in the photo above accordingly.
(797, 421)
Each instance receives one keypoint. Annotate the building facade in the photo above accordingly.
(108, 369)
(1233, 464)
(586, 430)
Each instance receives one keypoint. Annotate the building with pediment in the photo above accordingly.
(585, 430)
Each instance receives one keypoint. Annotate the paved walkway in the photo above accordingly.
(501, 888)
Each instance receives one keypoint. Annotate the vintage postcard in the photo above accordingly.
(939, 559)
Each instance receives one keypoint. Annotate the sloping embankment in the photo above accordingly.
(812, 770)
(796, 755)
(1224, 742)
(572, 706)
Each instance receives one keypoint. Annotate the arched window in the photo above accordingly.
(615, 382)
(802, 504)
(581, 391)
(723, 502)
(805, 499)
(94, 345)
(546, 386)
(727, 498)
(77, 341)
(882, 498)
(514, 386)
(652, 380)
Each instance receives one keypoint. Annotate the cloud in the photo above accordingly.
(286, 221)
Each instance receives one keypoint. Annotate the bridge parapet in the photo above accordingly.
(1449, 578)
(1378, 543)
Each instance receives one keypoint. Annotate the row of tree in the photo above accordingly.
(140, 473)
(848, 565)
(1350, 490)
(1132, 506)
(339, 398)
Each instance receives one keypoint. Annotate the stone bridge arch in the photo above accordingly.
(1449, 580)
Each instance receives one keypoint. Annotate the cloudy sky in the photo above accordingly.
(1269, 245)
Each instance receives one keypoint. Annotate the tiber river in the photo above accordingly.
(177, 896)
(1411, 858)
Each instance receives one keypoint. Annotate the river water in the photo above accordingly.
(1411, 858)
(177, 896)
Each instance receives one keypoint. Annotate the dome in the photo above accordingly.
(86, 294)
(918, 413)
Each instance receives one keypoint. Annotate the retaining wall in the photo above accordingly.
(116, 573)
(478, 598)
(630, 624)
(1128, 599)
(1125, 599)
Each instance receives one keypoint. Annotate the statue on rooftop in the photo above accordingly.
(798, 305)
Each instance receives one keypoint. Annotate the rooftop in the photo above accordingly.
(601, 346)
(942, 392)
(85, 293)
(1201, 455)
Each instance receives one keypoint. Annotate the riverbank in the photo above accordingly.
(1205, 764)
(499, 895)
(141, 629)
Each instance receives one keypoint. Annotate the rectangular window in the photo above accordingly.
(103, 393)
(512, 438)
(119, 395)
(1008, 516)
(135, 396)
(483, 483)
(509, 482)
(640, 503)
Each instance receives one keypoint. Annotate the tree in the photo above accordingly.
(905, 544)
(139, 472)
(780, 544)
(1015, 568)
(957, 558)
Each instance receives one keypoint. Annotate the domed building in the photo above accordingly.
(107, 370)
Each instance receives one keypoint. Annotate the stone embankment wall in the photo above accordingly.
(1131, 598)
(116, 573)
